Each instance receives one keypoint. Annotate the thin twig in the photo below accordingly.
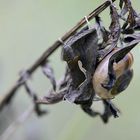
(13, 127)
(24, 116)
(9, 95)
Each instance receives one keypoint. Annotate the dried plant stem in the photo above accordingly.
(8, 96)
(14, 126)
(23, 117)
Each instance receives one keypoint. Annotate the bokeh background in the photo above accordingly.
(27, 28)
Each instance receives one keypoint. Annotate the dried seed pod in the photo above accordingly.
(123, 73)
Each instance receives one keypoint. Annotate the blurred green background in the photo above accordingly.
(27, 28)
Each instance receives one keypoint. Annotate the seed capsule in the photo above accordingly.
(122, 71)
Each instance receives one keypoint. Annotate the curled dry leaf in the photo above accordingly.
(48, 71)
(52, 98)
(34, 97)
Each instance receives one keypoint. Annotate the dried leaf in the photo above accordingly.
(37, 107)
(131, 19)
(123, 11)
(102, 33)
(110, 109)
(86, 93)
(29, 89)
(52, 98)
(32, 94)
(115, 28)
(121, 3)
(48, 71)
(131, 39)
(65, 82)
(83, 47)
